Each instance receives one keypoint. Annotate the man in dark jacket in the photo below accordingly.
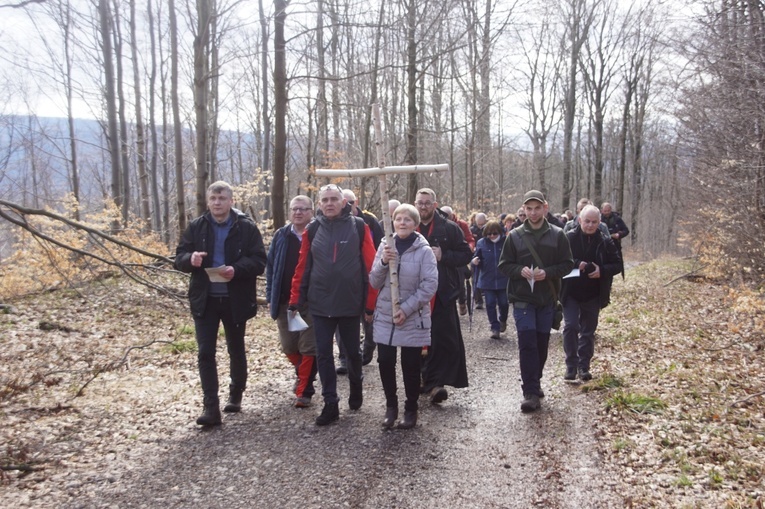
(332, 276)
(223, 250)
(617, 228)
(445, 363)
(533, 287)
(378, 234)
(598, 260)
(298, 346)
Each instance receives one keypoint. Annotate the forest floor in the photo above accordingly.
(99, 393)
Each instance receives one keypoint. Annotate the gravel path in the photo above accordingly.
(475, 450)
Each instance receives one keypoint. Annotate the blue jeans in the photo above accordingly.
(494, 299)
(579, 332)
(533, 325)
(350, 335)
(217, 310)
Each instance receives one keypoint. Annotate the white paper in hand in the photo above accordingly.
(214, 274)
(295, 322)
(531, 279)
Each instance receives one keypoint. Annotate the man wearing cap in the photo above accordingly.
(535, 257)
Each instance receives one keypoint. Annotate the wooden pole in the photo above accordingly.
(381, 172)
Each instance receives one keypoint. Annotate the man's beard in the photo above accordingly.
(424, 219)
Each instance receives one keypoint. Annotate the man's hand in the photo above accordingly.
(595, 274)
(615, 236)
(196, 258)
(227, 273)
(437, 252)
(537, 274)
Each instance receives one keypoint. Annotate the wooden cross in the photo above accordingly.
(381, 172)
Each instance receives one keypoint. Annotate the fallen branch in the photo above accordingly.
(751, 396)
(687, 274)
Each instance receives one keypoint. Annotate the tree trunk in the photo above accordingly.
(177, 127)
(411, 98)
(201, 74)
(105, 26)
(143, 175)
(280, 112)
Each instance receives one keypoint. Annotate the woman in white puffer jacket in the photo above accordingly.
(409, 328)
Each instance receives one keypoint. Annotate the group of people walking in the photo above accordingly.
(331, 268)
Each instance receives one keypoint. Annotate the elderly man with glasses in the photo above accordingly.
(332, 279)
(298, 346)
(445, 363)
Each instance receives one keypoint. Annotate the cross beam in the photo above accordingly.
(381, 172)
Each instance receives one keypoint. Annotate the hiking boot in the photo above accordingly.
(356, 398)
(479, 305)
(234, 402)
(438, 394)
(463, 309)
(302, 402)
(211, 415)
(495, 334)
(530, 403)
(342, 367)
(585, 375)
(409, 421)
(329, 413)
(391, 414)
(570, 375)
(502, 326)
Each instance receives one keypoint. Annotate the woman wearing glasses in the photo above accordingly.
(489, 279)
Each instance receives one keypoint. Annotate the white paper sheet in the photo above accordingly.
(574, 273)
(531, 279)
(214, 274)
(295, 322)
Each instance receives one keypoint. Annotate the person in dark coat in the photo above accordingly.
(378, 233)
(598, 261)
(332, 277)
(445, 363)
(298, 346)
(230, 242)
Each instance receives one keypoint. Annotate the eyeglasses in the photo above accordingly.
(492, 234)
(424, 204)
(333, 187)
(521, 215)
(300, 209)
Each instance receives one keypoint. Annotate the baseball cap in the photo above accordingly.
(534, 195)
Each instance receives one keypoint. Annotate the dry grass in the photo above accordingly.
(685, 409)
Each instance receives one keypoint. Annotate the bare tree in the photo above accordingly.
(110, 98)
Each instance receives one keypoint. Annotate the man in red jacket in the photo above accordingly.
(332, 277)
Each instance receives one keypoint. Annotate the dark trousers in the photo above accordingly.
(368, 348)
(579, 331)
(533, 325)
(496, 300)
(411, 360)
(218, 309)
(324, 330)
